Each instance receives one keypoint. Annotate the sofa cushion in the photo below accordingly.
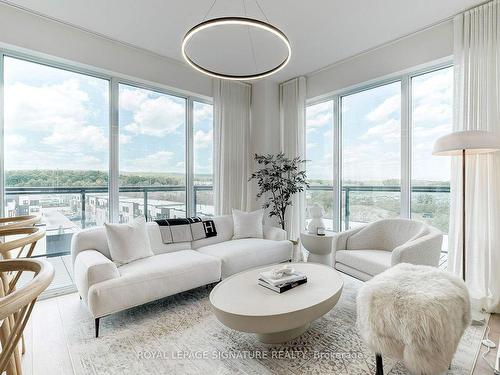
(248, 224)
(128, 242)
(152, 278)
(371, 262)
(239, 255)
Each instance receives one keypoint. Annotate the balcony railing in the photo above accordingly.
(79, 215)
(73, 208)
(348, 190)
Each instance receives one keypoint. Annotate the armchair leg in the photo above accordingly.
(379, 364)
(97, 327)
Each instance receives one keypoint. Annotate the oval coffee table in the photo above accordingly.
(240, 303)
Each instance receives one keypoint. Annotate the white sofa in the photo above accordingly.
(106, 288)
(368, 250)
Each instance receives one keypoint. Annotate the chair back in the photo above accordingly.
(19, 239)
(16, 303)
(387, 234)
(19, 221)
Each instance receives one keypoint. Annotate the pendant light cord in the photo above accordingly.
(251, 39)
(260, 8)
(209, 9)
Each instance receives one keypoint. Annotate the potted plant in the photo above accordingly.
(279, 178)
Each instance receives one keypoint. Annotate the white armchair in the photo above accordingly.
(366, 251)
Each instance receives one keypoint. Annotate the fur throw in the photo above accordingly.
(416, 314)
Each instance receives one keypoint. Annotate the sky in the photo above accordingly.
(57, 119)
(371, 131)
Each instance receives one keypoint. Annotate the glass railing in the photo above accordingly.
(67, 210)
(364, 204)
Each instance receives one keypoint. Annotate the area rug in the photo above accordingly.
(180, 335)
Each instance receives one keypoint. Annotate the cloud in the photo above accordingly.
(160, 161)
(157, 117)
(203, 139)
(60, 112)
(384, 111)
(318, 115)
(131, 98)
(76, 137)
(202, 112)
(14, 141)
(388, 132)
(125, 139)
(45, 107)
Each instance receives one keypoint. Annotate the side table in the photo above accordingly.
(319, 247)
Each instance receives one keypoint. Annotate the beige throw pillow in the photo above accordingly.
(128, 242)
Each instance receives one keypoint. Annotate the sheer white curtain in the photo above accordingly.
(292, 127)
(231, 145)
(477, 107)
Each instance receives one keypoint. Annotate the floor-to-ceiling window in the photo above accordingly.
(432, 106)
(371, 154)
(81, 148)
(203, 144)
(385, 137)
(152, 154)
(56, 149)
(319, 156)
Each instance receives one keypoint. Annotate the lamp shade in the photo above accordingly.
(472, 141)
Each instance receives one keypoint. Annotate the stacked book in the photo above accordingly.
(283, 283)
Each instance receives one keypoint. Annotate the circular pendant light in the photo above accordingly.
(236, 21)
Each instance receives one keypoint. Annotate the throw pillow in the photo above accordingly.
(128, 242)
(248, 224)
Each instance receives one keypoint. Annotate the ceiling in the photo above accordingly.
(321, 32)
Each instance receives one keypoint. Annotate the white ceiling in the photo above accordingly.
(321, 32)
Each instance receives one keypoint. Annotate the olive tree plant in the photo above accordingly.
(279, 179)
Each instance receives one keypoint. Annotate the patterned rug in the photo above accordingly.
(180, 335)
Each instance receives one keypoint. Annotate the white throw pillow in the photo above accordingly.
(128, 242)
(248, 224)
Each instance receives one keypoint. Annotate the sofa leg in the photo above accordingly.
(97, 327)
(379, 364)
(80, 297)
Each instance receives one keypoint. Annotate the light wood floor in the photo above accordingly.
(482, 367)
(48, 353)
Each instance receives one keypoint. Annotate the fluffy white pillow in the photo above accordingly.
(248, 224)
(128, 242)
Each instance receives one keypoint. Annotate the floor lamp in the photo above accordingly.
(464, 143)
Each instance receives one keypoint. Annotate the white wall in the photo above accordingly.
(34, 33)
(417, 49)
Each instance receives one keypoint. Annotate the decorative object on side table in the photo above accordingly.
(318, 246)
(279, 179)
(316, 223)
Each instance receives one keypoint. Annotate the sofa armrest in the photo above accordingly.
(92, 267)
(274, 233)
(339, 241)
(425, 250)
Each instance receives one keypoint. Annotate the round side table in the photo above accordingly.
(319, 247)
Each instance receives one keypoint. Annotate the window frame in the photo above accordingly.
(113, 159)
(405, 79)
